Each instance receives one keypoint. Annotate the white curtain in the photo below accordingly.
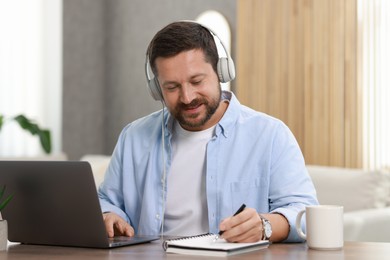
(374, 47)
(30, 72)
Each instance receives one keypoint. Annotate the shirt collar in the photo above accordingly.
(227, 122)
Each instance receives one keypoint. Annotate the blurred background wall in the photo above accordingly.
(104, 43)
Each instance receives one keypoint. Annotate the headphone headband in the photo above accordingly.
(225, 67)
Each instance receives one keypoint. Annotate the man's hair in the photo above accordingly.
(182, 36)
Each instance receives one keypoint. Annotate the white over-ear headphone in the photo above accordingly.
(225, 69)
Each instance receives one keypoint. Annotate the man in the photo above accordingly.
(186, 169)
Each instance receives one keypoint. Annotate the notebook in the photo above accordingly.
(206, 246)
(56, 203)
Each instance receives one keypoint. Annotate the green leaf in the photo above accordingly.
(44, 134)
(26, 124)
(45, 138)
(2, 192)
(5, 202)
(1, 121)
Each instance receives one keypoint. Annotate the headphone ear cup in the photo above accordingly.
(154, 89)
(153, 85)
(226, 69)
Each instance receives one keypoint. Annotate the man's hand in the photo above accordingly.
(117, 226)
(245, 227)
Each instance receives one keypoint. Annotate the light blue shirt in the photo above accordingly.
(253, 159)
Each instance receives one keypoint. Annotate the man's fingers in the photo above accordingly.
(115, 225)
(244, 227)
(124, 229)
(231, 222)
(246, 235)
(109, 223)
(129, 231)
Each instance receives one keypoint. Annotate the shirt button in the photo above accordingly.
(157, 216)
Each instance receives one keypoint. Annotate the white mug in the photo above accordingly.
(324, 227)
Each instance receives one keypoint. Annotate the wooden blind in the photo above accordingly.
(297, 61)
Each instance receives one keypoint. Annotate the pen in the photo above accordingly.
(237, 212)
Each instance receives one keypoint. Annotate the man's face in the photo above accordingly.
(191, 89)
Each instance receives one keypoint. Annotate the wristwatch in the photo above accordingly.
(267, 228)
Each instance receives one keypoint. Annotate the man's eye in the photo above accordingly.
(196, 83)
(171, 87)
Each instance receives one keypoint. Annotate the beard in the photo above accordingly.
(198, 119)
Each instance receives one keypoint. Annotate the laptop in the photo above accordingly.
(56, 203)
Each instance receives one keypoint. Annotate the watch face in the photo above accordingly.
(267, 230)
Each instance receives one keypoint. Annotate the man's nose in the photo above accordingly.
(187, 94)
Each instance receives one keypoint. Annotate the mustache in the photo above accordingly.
(194, 103)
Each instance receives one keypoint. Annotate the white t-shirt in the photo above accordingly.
(186, 205)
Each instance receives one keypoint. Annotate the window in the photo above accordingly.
(374, 39)
(30, 72)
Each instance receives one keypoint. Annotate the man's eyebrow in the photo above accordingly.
(198, 75)
(172, 82)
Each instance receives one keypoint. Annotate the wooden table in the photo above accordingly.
(154, 251)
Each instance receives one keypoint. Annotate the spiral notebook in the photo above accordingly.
(206, 246)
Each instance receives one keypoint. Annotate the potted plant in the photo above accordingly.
(33, 128)
(3, 223)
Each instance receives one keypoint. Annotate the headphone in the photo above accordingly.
(225, 68)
